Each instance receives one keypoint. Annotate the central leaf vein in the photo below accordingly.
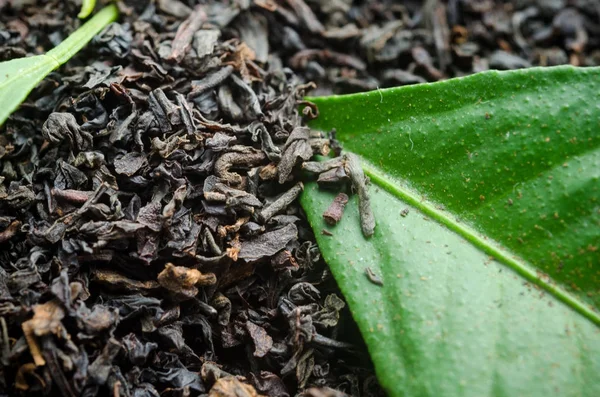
(486, 245)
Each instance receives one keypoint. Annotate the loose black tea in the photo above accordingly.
(151, 240)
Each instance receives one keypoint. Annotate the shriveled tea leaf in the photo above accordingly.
(334, 212)
(489, 282)
(116, 281)
(47, 319)
(19, 76)
(329, 315)
(268, 244)
(130, 163)
(230, 386)
(182, 42)
(269, 384)
(63, 126)
(262, 340)
(137, 351)
(101, 367)
(182, 280)
(306, 364)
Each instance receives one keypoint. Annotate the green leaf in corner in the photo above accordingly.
(87, 7)
(19, 76)
(491, 281)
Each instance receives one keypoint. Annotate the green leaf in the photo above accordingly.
(87, 7)
(19, 76)
(490, 283)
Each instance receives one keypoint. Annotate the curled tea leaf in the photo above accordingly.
(182, 280)
(262, 341)
(335, 211)
(61, 126)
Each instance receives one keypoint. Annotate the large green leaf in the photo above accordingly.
(19, 76)
(491, 282)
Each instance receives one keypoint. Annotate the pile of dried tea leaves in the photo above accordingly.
(151, 242)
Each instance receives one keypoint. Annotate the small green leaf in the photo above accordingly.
(19, 76)
(87, 6)
(490, 283)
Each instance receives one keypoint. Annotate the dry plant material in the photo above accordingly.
(46, 321)
(182, 281)
(334, 213)
(262, 341)
(175, 138)
(358, 178)
(183, 39)
(230, 386)
(373, 277)
(268, 244)
(10, 231)
(281, 203)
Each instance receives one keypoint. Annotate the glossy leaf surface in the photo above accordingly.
(19, 76)
(491, 281)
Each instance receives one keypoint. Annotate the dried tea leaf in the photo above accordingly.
(230, 386)
(334, 213)
(296, 148)
(304, 369)
(101, 367)
(358, 178)
(204, 42)
(262, 341)
(281, 203)
(117, 281)
(254, 32)
(185, 33)
(268, 244)
(150, 216)
(130, 163)
(47, 319)
(63, 126)
(269, 384)
(10, 231)
(182, 280)
(329, 315)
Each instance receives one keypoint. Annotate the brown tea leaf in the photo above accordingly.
(334, 213)
(47, 319)
(262, 341)
(117, 281)
(10, 231)
(130, 163)
(182, 280)
(230, 386)
(268, 244)
(182, 42)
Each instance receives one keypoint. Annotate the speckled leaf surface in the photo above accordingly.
(19, 76)
(491, 282)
